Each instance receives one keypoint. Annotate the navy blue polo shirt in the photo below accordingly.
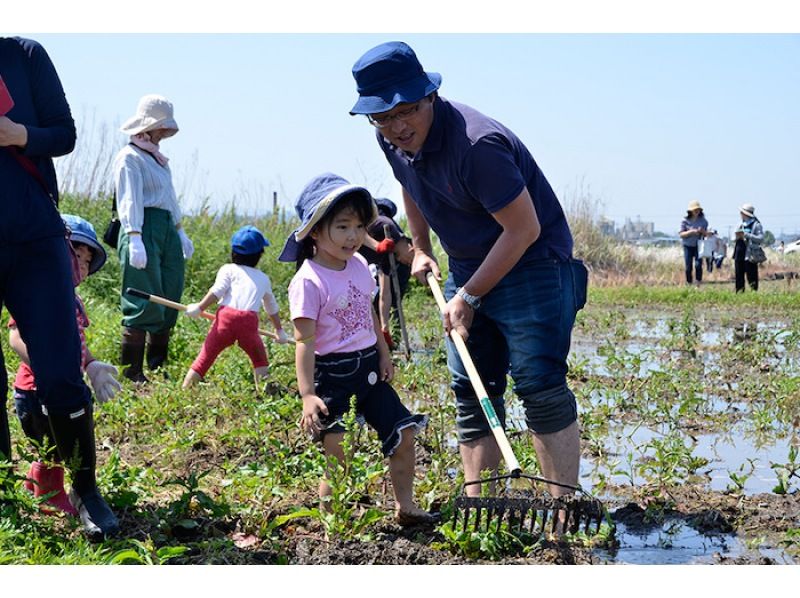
(27, 212)
(470, 167)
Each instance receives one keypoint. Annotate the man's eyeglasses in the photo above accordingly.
(402, 115)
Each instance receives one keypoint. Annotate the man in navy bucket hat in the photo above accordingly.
(513, 287)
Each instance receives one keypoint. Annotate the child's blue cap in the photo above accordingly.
(314, 201)
(248, 240)
(386, 206)
(82, 231)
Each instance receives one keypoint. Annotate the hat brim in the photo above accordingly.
(746, 212)
(99, 255)
(291, 249)
(403, 93)
(137, 125)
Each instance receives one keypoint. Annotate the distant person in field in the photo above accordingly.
(241, 289)
(43, 478)
(710, 249)
(376, 250)
(514, 288)
(152, 242)
(694, 228)
(749, 235)
(37, 279)
(340, 350)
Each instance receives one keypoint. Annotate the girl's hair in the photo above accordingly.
(357, 202)
(689, 214)
(246, 260)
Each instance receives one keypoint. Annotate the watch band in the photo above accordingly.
(472, 300)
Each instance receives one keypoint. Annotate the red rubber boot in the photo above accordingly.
(51, 479)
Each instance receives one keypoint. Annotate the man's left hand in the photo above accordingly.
(458, 316)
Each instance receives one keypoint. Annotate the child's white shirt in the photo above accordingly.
(244, 288)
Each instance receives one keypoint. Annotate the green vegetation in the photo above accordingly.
(193, 472)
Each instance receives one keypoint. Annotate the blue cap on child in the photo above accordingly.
(82, 231)
(248, 240)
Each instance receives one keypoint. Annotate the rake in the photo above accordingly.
(181, 307)
(522, 512)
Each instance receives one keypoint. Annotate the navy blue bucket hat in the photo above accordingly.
(248, 240)
(82, 231)
(388, 75)
(314, 201)
(386, 206)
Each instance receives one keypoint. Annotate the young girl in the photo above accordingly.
(340, 350)
(241, 289)
(48, 478)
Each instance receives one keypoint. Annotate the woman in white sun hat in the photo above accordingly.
(749, 237)
(152, 243)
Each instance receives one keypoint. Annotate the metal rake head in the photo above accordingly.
(532, 515)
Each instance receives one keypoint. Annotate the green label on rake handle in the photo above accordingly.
(488, 409)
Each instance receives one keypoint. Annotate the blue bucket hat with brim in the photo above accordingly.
(82, 231)
(388, 75)
(314, 201)
(248, 240)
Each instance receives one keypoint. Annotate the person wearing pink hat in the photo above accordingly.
(747, 251)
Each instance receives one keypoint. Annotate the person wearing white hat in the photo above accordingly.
(694, 227)
(747, 251)
(152, 243)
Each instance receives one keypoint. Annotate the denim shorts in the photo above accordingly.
(523, 327)
(339, 376)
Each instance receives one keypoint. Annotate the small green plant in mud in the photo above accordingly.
(181, 515)
(739, 478)
(670, 463)
(787, 472)
(343, 514)
(145, 553)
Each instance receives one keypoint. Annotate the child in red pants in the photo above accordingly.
(241, 289)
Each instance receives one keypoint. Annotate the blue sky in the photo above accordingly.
(644, 122)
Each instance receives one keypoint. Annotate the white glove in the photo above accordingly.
(282, 338)
(137, 254)
(186, 244)
(193, 310)
(103, 377)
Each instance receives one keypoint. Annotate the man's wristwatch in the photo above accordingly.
(472, 300)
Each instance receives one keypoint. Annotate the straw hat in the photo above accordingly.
(694, 205)
(153, 112)
(747, 209)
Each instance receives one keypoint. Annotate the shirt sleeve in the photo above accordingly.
(269, 301)
(130, 205)
(491, 174)
(304, 299)
(54, 134)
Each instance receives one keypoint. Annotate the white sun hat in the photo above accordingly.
(153, 112)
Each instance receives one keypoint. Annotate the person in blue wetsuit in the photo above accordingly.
(513, 287)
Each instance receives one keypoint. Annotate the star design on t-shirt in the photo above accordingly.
(355, 315)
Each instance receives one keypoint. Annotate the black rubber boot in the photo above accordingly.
(74, 434)
(132, 354)
(157, 345)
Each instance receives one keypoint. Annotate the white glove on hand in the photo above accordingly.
(186, 244)
(103, 377)
(282, 338)
(137, 254)
(193, 310)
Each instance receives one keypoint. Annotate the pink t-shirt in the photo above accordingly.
(340, 303)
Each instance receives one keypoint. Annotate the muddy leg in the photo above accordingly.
(477, 456)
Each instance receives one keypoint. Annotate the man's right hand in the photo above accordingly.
(422, 264)
(137, 254)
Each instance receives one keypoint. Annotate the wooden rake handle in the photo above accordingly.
(477, 385)
(181, 307)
